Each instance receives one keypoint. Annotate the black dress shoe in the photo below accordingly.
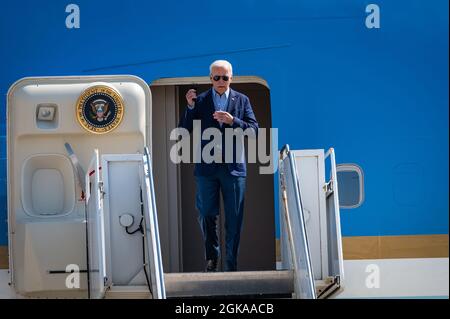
(211, 265)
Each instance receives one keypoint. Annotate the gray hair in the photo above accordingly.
(221, 64)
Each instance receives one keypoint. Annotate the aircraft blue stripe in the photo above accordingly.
(379, 97)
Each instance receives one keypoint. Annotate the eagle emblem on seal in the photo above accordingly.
(100, 110)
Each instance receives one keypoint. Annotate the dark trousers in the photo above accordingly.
(208, 203)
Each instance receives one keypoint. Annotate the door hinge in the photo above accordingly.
(328, 188)
(101, 189)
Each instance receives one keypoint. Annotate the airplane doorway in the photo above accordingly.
(181, 238)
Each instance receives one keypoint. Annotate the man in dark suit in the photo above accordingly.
(221, 108)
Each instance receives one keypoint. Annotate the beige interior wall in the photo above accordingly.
(165, 175)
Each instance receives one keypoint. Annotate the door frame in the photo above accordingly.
(174, 207)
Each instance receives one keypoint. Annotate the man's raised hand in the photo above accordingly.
(191, 95)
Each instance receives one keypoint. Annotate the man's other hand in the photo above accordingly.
(223, 117)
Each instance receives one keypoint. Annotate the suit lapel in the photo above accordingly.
(212, 108)
(231, 101)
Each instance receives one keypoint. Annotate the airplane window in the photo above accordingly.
(350, 185)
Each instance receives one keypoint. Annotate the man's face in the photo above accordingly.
(219, 84)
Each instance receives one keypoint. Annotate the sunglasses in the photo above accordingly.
(224, 77)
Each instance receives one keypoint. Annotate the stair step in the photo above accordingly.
(128, 292)
(240, 283)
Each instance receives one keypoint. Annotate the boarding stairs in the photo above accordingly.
(297, 280)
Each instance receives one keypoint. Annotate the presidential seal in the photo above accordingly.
(100, 109)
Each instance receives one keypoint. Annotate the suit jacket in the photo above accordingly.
(243, 117)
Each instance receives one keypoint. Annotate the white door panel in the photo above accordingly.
(95, 231)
